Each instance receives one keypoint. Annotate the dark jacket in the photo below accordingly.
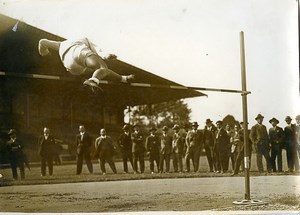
(46, 146)
(165, 144)
(241, 143)
(15, 151)
(194, 139)
(259, 135)
(84, 145)
(276, 136)
(222, 140)
(125, 142)
(137, 142)
(290, 135)
(209, 136)
(104, 147)
(152, 144)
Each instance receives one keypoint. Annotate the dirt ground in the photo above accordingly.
(184, 194)
(202, 192)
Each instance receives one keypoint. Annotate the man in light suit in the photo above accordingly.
(105, 151)
(260, 139)
(194, 143)
(83, 142)
(276, 135)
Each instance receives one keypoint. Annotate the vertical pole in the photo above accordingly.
(245, 118)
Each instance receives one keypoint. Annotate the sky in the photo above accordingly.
(192, 42)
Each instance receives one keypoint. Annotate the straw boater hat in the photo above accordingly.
(176, 127)
(288, 118)
(274, 120)
(259, 116)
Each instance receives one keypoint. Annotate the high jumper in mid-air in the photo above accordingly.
(80, 57)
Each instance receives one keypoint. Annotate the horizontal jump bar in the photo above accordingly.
(178, 87)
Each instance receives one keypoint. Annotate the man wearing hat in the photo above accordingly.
(138, 149)
(260, 139)
(291, 145)
(152, 147)
(194, 143)
(209, 143)
(222, 148)
(125, 144)
(177, 149)
(16, 155)
(276, 135)
(165, 150)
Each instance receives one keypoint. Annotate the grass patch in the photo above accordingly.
(288, 200)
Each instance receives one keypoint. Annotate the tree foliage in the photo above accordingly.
(166, 113)
(229, 119)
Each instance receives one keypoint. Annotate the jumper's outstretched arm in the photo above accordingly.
(45, 45)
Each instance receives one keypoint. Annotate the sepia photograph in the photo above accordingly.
(149, 107)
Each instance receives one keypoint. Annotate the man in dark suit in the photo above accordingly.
(46, 144)
(177, 149)
(209, 143)
(83, 142)
(165, 150)
(152, 147)
(222, 147)
(105, 151)
(16, 155)
(260, 139)
(138, 149)
(276, 135)
(125, 144)
(291, 145)
(194, 143)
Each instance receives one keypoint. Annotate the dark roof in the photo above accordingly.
(19, 59)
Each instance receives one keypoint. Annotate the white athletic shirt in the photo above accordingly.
(73, 54)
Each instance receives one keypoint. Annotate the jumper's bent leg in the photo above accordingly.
(101, 72)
